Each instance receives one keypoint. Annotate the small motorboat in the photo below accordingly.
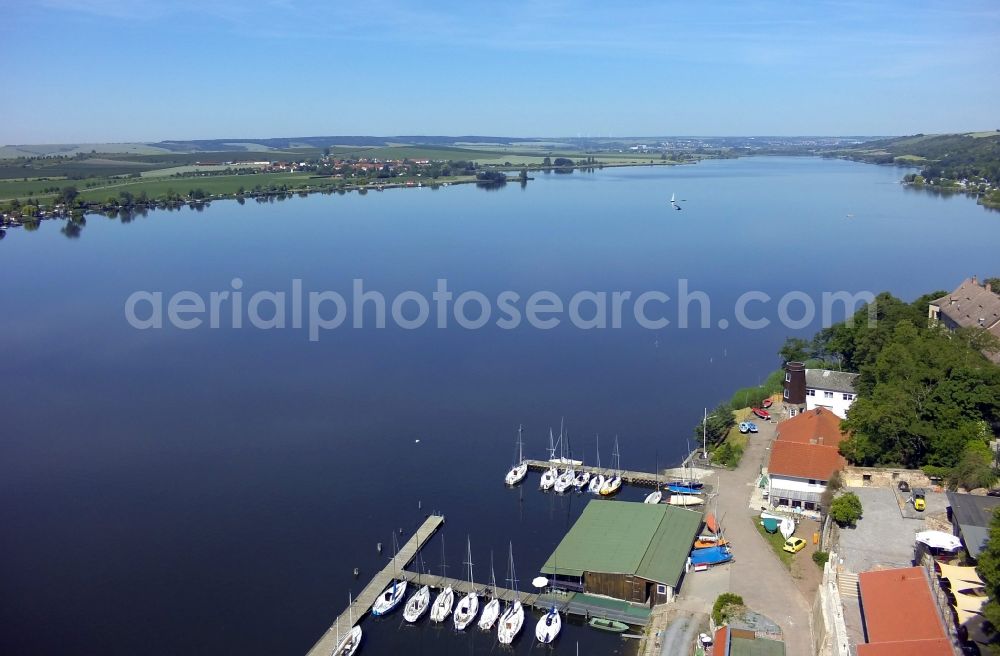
(751, 426)
(684, 500)
(596, 483)
(711, 556)
(744, 427)
(692, 483)
(602, 624)
(683, 489)
(654, 497)
(549, 478)
(762, 413)
(548, 627)
(389, 599)
(417, 605)
(767, 403)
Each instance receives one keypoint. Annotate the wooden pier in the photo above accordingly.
(364, 601)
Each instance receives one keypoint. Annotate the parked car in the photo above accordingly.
(794, 545)
(904, 486)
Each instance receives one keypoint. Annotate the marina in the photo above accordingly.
(629, 477)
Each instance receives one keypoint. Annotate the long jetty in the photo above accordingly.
(638, 478)
(361, 605)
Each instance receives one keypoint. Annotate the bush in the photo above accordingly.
(820, 557)
(722, 605)
(846, 509)
(728, 455)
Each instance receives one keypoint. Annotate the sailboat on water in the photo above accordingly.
(349, 644)
(520, 468)
(390, 598)
(614, 481)
(468, 606)
(445, 600)
(656, 495)
(550, 475)
(548, 627)
(597, 482)
(419, 601)
(513, 617)
(568, 477)
(491, 611)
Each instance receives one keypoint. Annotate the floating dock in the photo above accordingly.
(363, 603)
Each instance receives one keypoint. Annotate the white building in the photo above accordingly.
(833, 390)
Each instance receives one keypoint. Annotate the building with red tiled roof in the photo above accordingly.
(804, 456)
(900, 616)
(970, 306)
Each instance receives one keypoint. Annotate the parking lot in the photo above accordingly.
(884, 537)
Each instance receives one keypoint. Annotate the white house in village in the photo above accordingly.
(833, 390)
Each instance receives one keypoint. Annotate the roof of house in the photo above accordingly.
(971, 305)
(972, 513)
(817, 426)
(835, 381)
(622, 537)
(900, 615)
(812, 461)
(735, 642)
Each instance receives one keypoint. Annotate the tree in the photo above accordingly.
(988, 567)
(975, 469)
(846, 509)
(720, 422)
(795, 349)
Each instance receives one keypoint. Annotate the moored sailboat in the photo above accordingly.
(597, 482)
(393, 594)
(419, 601)
(520, 468)
(548, 626)
(468, 606)
(350, 643)
(445, 600)
(613, 482)
(513, 616)
(491, 611)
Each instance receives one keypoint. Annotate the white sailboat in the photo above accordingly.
(468, 606)
(568, 477)
(548, 626)
(513, 617)
(597, 481)
(614, 481)
(520, 468)
(352, 640)
(392, 595)
(550, 475)
(419, 601)
(685, 500)
(655, 496)
(445, 600)
(491, 611)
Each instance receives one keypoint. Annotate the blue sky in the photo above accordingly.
(145, 70)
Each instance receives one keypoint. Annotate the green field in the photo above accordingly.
(216, 184)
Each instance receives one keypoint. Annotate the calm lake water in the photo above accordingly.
(211, 490)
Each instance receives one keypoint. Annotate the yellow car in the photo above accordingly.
(794, 545)
(919, 503)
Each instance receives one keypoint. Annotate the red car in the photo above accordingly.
(762, 413)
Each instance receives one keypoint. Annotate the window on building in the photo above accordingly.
(812, 481)
(811, 392)
(661, 589)
(827, 395)
(848, 397)
(788, 377)
(785, 394)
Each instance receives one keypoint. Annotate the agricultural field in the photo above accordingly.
(216, 184)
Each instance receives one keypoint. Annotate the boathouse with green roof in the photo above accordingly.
(637, 552)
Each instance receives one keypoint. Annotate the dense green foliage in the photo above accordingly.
(727, 454)
(820, 557)
(952, 156)
(720, 422)
(723, 603)
(846, 509)
(924, 393)
(988, 566)
(974, 468)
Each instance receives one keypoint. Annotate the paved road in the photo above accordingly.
(756, 573)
